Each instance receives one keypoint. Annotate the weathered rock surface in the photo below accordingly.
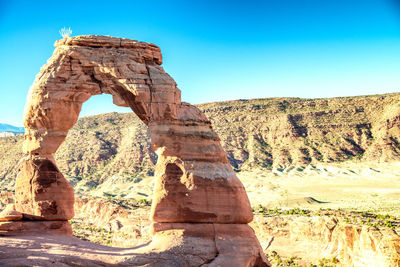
(6, 200)
(201, 186)
(168, 248)
(27, 228)
(282, 132)
(10, 214)
(129, 226)
(42, 191)
(235, 244)
(316, 237)
(194, 181)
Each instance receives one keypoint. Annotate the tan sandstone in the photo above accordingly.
(42, 192)
(316, 237)
(196, 187)
(10, 214)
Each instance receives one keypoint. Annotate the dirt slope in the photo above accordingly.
(272, 133)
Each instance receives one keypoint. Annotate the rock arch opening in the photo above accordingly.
(197, 196)
(104, 147)
(101, 104)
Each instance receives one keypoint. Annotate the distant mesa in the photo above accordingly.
(7, 130)
(284, 134)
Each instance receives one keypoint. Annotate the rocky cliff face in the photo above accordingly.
(290, 131)
(316, 237)
(260, 133)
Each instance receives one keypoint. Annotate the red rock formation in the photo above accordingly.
(316, 237)
(10, 214)
(194, 181)
(42, 192)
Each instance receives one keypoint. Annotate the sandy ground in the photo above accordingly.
(354, 186)
(373, 187)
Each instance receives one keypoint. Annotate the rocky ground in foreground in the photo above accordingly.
(343, 213)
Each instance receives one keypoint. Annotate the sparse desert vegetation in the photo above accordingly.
(307, 199)
(298, 168)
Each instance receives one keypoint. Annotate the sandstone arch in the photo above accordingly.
(197, 194)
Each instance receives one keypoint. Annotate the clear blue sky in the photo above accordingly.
(217, 50)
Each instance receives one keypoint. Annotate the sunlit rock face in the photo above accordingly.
(197, 195)
(42, 191)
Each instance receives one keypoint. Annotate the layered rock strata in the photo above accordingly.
(316, 237)
(197, 197)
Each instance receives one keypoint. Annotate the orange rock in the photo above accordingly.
(236, 244)
(42, 192)
(194, 181)
(17, 228)
(10, 214)
(198, 192)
